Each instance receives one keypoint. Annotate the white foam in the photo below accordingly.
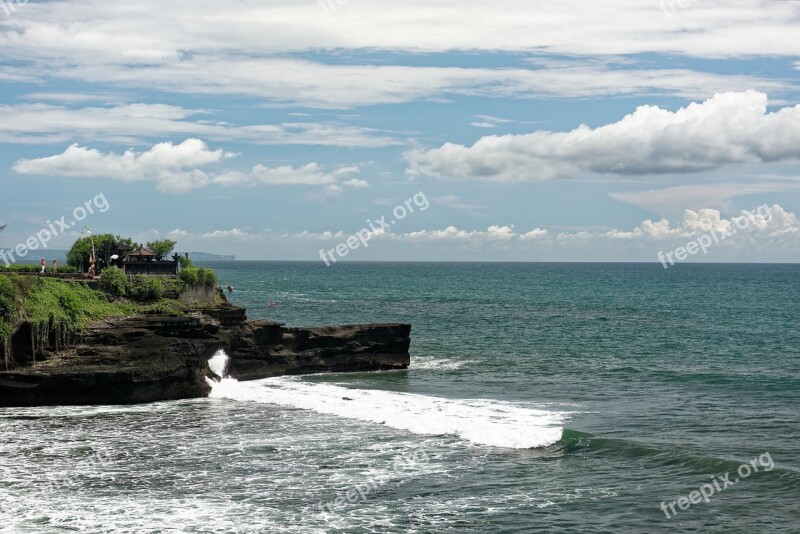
(440, 364)
(486, 422)
(219, 363)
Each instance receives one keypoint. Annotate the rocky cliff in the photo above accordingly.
(147, 359)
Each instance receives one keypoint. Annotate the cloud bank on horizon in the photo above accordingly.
(571, 121)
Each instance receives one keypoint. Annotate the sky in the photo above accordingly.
(513, 130)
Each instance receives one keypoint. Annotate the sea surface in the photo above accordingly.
(541, 398)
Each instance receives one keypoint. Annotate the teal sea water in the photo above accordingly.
(541, 398)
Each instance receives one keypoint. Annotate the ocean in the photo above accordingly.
(541, 398)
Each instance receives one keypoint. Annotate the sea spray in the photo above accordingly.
(219, 363)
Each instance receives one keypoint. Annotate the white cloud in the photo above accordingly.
(775, 222)
(134, 123)
(762, 223)
(174, 168)
(491, 119)
(356, 183)
(233, 233)
(767, 236)
(536, 233)
(310, 174)
(253, 48)
(672, 200)
(301, 82)
(51, 96)
(96, 31)
(730, 128)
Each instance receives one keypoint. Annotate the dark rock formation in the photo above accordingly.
(148, 359)
(261, 349)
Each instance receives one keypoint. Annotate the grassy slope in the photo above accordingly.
(67, 307)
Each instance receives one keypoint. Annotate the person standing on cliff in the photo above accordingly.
(55, 266)
(43, 263)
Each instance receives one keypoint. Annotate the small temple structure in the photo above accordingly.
(143, 261)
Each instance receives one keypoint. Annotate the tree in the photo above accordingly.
(161, 248)
(105, 245)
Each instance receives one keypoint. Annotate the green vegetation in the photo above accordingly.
(145, 288)
(161, 248)
(141, 288)
(105, 245)
(59, 310)
(74, 305)
(199, 276)
(52, 306)
(114, 282)
(173, 287)
(8, 308)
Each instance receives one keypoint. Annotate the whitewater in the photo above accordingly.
(479, 421)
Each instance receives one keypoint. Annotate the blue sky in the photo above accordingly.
(538, 132)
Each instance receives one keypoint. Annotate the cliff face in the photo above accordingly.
(267, 349)
(148, 359)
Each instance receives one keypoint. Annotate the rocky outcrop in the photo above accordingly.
(148, 359)
(262, 349)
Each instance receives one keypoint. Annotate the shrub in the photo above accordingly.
(207, 277)
(8, 307)
(190, 276)
(8, 301)
(173, 287)
(113, 281)
(145, 288)
(199, 277)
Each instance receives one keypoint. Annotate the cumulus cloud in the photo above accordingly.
(356, 183)
(310, 174)
(762, 223)
(760, 235)
(673, 200)
(178, 168)
(174, 168)
(730, 128)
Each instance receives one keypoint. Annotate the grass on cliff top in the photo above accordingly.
(72, 306)
(72, 303)
(44, 302)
